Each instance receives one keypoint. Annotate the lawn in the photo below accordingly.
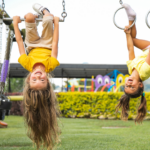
(82, 134)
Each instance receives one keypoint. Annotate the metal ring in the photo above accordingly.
(64, 14)
(115, 21)
(146, 19)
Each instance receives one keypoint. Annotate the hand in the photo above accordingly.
(56, 19)
(16, 19)
(127, 30)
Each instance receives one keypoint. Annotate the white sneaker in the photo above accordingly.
(39, 8)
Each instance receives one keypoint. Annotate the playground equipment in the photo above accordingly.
(9, 20)
(146, 19)
(5, 103)
(101, 81)
(121, 2)
(119, 87)
(16, 98)
(120, 81)
(81, 85)
(113, 81)
(89, 87)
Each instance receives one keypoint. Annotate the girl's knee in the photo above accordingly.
(30, 18)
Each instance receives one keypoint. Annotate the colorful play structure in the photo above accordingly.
(114, 81)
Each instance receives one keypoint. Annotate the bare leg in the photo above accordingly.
(141, 44)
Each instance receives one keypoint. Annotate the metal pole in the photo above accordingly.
(22, 19)
(5, 67)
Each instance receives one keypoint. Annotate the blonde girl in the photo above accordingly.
(40, 104)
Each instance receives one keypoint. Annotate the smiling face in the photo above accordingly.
(38, 78)
(132, 85)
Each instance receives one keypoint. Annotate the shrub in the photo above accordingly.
(96, 105)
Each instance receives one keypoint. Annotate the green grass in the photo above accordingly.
(82, 134)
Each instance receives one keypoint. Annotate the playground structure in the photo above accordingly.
(112, 81)
(146, 18)
(121, 2)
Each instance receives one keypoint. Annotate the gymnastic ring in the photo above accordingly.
(146, 19)
(115, 21)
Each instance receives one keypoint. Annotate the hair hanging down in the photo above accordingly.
(124, 105)
(40, 113)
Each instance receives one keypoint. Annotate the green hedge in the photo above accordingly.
(96, 105)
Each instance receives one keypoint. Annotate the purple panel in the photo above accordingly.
(107, 80)
(99, 81)
(4, 70)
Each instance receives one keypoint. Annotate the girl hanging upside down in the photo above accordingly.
(40, 105)
(138, 67)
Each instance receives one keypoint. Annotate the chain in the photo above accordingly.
(121, 2)
(3, 5)
(3, 13)
(64, 14)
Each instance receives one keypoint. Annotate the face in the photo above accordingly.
(38, 79)
(132, 85)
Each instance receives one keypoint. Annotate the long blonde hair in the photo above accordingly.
(40, 113)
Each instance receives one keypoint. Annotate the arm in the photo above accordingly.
(55, 38)
(16, 20)
(130, 44)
